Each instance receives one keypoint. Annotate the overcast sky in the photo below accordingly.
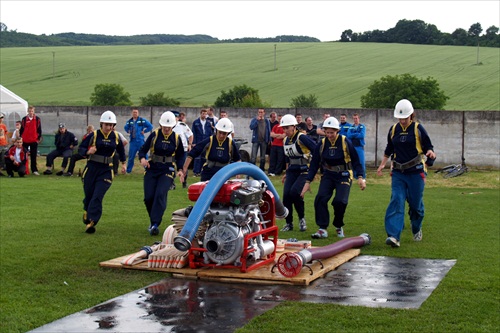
(324, 20)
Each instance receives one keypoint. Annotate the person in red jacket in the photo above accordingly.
(31, 132)
(16, 158)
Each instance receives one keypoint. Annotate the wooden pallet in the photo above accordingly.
(263, 275)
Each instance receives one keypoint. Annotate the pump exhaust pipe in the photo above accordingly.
(290, 264)
(183, 241)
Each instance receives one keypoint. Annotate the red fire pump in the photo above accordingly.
(239, 227)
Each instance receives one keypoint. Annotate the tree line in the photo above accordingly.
(405, 32)
(419, 32)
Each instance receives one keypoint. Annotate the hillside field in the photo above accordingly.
(337, 73)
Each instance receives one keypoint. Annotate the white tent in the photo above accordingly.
(13, 107)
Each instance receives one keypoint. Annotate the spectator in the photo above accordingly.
(311, 129)
(186, 136)
(97, 177)
(298, 117)
(277, 155)
(31, 132)
(338, 157)
(136, 127)
(4, 143)
(16, 159)
(356, 134)
(166, 153)
(64, 141)
(219, 149)
(261, 137)
(203, 128)
(344, 125)
(273, 119)
(320, 130)
(76, 156)
(16, 134)
(211, 116)
(408, 142)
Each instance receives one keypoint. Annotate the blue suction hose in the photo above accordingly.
(183, 241)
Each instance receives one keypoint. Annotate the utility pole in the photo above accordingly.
(274, 56)
(53, 64)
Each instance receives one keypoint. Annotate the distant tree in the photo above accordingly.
(110, 94)
(475, 30)
(346, 36)
(3, 26)
(239, 96)
(303, 101)
(386, 92)
(158, 99)
(459, 37)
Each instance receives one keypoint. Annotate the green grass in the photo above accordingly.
(337, 73)
(49, 268)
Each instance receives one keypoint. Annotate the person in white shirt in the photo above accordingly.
(186, 136)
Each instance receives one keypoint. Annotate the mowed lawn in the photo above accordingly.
(337, 73)
(49, 267)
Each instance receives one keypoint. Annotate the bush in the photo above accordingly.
(158, 100)
(110, 94)
(385, 93)
(240, 96)
(303, 101)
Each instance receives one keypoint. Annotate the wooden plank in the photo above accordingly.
(261, 275)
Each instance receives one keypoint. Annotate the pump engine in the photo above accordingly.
(238, 229)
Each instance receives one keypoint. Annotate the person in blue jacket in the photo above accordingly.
(409, 144)
(136, 127)
(261, 137)
(356, 133)
(336, 154)
(166, 155)
(219, 150)
(298, 147)
(202, 128)
(344, 125)
(100, 147)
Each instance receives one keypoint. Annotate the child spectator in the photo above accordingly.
(16, 159)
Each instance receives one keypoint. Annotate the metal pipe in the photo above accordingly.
(290, 264)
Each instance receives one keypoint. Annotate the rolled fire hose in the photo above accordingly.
(183, 241)
(290, 264)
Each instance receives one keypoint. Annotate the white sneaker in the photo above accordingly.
(271, 175)
(340, 232)
(418, 236)
(392, 242)
(321, 233)
(302, 224)
(36, 173)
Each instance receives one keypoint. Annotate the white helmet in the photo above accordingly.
(331, 122)
(224, 125)
(167, 119)
(108, 117)
(403, 109)
(288, 120)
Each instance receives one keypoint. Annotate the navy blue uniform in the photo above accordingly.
(166, 155)
(298, 149)
(98, 173)
(338, 159)
(217, 155)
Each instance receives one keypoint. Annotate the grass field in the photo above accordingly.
(49, 267)
(337, 73)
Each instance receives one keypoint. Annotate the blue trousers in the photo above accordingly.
(133, 149)
(294, 183)
(361, 154)
(255, 148)
(157, 182)
(405, 187)
(341, 184)
(97, 179)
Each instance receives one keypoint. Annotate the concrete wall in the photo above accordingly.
(476, 134)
